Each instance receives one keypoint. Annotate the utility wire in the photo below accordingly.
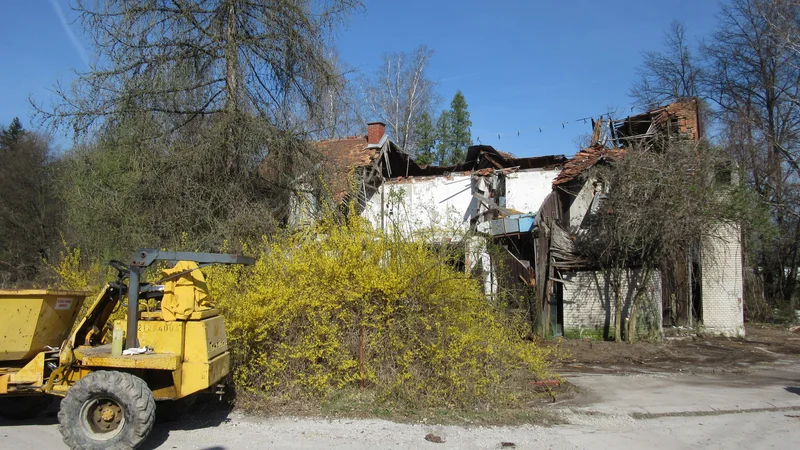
(543, 128)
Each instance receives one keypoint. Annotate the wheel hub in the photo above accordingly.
(105, 416)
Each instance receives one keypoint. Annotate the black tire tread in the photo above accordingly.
(129, 390)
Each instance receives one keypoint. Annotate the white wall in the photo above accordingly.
(526, 190)
(589, 302)
(721, 277)
(580, 206)
(422, 203)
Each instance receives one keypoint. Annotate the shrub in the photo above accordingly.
(297, 321)
(75, 273)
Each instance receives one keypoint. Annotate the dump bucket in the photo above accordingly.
(33, 319)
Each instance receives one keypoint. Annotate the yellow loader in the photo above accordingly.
(110, 389)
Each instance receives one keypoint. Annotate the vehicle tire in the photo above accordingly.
(107, 409)
(27, 407)
(172, 410)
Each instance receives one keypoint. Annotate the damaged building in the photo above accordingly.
(532, 208)
(491, 195)
(702, 290)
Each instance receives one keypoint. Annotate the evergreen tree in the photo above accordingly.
(30, 208)
(454, 132)
(460, 126)
(427, 140)
(443, 138)
(11, 135)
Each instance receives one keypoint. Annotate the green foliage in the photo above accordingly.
(10, 136)
(30, 208)
(460, 122)
(296, 321)
(454, 132)
(427, 140)
(444, 137)
(124, 192)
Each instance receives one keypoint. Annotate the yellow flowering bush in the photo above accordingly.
(342, 305)
(315, 301)
(76, 274)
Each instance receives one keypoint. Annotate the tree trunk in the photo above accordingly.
(231, 60)
(638, 298)
(617, 306)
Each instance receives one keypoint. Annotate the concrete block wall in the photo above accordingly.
(589, 303)
(722, 284)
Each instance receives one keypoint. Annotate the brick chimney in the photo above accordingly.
(375, 132)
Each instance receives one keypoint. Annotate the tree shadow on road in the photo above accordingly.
(207, 413)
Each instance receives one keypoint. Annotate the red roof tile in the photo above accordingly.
(585, 159)
(343, 155)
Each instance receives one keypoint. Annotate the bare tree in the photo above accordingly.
(668, 74)
(338, 112)
(198, 109)
(754, 81)
(784, 24)
(658, 206)
(187, 59)
(400, 93)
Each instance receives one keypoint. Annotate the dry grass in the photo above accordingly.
(528, 407)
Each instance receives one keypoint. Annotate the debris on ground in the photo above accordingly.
(434, 438)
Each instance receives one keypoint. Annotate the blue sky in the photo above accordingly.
(521, 65)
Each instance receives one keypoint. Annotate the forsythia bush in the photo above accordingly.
(74, 274)
(298, 321)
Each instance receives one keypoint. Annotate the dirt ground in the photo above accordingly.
(763, 345)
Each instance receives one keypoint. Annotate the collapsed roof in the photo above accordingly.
(347, 154)
(585, 159)
(680, 119)
(342, 156)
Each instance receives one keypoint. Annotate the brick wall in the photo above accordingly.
(686, 114)
(721, 278)
(589, 303)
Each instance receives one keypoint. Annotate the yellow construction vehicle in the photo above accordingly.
(111, 375)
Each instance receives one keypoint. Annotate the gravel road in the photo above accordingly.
(633, 411)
